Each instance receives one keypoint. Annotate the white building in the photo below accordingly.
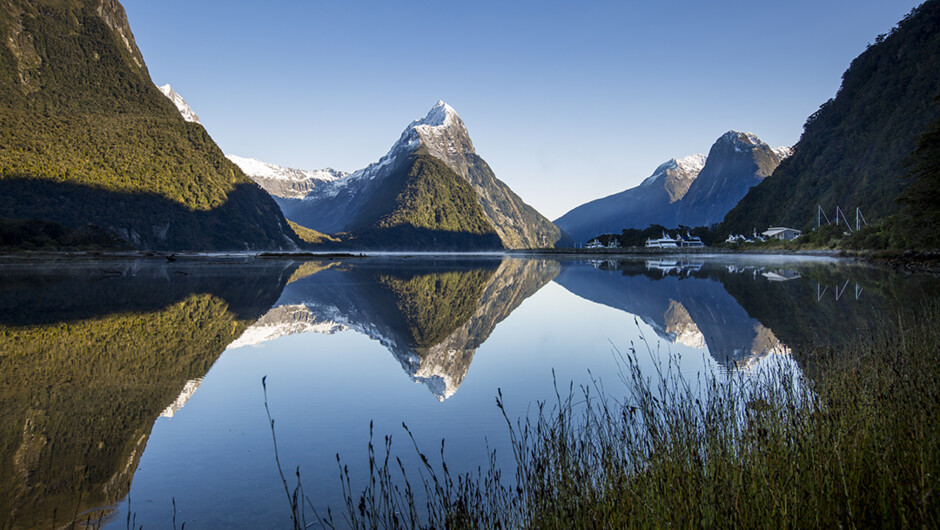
(781, 232)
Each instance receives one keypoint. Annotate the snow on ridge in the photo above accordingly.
(783, 151)
(185, 110)
(439, 122)
(743, 141)
(256, 168)
(692, 164)
(688, 167)
(440, 114)
(660, 172)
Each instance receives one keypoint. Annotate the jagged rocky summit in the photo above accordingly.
(694, 190)
(430, 190)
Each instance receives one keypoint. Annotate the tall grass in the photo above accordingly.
(852, 441)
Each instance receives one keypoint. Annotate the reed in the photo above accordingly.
(852, 440)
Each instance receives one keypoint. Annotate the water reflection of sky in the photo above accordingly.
(349, 343)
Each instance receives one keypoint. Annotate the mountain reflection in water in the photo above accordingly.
(432, 316)
(94, 352)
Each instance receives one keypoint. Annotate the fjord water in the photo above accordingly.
(130, 385)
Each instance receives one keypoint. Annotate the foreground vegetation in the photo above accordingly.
(852, 441)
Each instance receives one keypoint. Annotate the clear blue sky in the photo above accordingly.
(567, 102)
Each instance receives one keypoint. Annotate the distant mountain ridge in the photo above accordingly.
(285, 182)
(347, 204)
(694, 190)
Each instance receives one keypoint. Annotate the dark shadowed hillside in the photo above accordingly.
(853, 150)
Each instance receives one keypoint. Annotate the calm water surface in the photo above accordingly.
(128, 384)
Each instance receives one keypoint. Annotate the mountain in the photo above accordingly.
(695, 190)
(649, 203)
(736, 162)
(185, 111)
(853, 150)
(417, 195)
(88, 139)
(285, 182)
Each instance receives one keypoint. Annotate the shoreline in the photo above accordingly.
(172, 256)
(908, 260)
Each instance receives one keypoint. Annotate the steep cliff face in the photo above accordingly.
(736, 162)
(88, 139)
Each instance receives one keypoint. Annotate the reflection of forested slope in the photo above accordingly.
(806, 311)
(432, 315)
(79, 396)
(673, 305)
(740, 314)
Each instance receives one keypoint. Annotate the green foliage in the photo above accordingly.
(148, 220)
(309, 235)
(852, 150)
(81, 397)
(79, 110)
(916, 224)
(856, 444)
(424, 204)
(434, 305)
(34, 234)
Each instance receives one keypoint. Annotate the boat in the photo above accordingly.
(663, 242)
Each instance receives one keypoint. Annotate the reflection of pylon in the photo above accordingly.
(839, 292)
(858, 290)
(819, 295)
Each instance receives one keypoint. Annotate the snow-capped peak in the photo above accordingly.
(743, 142)
(440, 114)
(441, 131)
(185, 111)
(687, 167)
(692, 164)
(783, 152)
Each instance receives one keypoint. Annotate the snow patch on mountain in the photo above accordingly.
(185, 111)
(256, 168)
(686, 168)
(742, 142)
(187, 392)
(783, 152)
(287, 320)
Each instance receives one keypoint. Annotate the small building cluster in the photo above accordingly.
(596, 243)
(675, 242)
(774, 232)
